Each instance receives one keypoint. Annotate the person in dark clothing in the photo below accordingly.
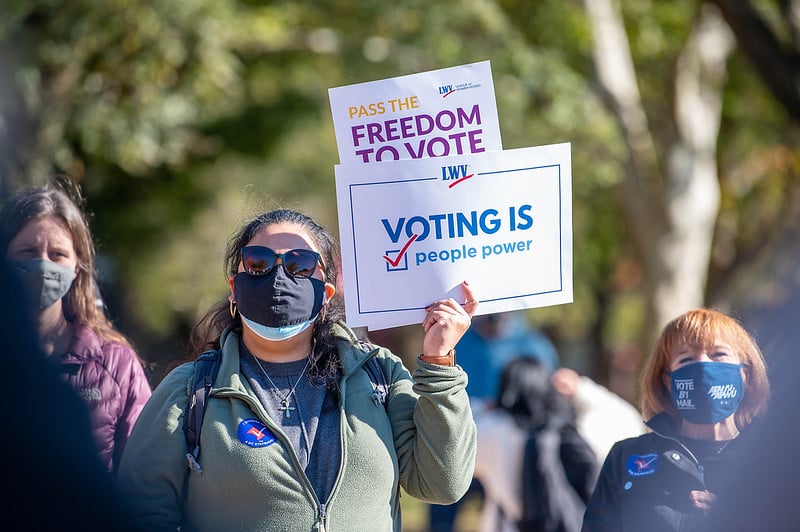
(703, 386)
(54, 479)
(761, 494)
(532, 430)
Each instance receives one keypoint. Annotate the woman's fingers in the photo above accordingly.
(441, 311)
(702, 499)
(469, 306)
(470, 301)
(447, 320)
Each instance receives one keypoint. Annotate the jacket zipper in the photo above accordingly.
(256, 407)
(322, 508)
(323, 516)
(689, 453)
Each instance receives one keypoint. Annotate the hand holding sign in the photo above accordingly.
(446, 322)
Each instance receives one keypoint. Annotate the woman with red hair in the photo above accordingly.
(702, 388)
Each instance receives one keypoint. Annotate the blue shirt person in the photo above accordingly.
(491, 342)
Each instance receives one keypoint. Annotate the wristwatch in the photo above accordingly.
(445, 360)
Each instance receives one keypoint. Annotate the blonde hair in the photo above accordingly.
(701, 328)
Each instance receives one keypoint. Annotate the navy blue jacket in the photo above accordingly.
(645, 482)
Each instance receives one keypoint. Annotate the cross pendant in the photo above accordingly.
(285, 408)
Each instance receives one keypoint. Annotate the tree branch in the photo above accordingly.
(777, 65)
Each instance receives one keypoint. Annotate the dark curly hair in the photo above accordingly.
(527, 394)
(325, 363)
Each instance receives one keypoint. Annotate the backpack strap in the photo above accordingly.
(206, 367)
(377, 377)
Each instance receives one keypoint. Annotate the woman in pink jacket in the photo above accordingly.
(47, 240)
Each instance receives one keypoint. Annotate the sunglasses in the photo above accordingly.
(260, 260)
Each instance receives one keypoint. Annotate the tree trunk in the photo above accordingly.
(671, 213)
(17, 128)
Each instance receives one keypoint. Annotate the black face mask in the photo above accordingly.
(278, 299)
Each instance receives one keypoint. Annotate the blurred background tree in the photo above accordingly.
(182, 117)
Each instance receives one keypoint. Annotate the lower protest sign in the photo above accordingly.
(411, 231)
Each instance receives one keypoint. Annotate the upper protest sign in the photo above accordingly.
(440, 113)
(411, 231)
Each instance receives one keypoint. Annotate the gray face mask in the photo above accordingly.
(44, 282)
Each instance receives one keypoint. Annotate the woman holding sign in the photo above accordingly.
(702, 388)
(296, 435)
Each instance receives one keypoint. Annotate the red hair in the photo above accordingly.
(701, 328)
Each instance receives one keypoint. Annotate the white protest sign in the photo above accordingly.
(446, 112)
(411, 231)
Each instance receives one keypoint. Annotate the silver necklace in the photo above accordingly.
(285, 408)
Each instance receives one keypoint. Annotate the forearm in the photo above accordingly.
(437, 464)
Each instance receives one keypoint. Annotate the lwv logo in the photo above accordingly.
(455, 174)
(446, 90)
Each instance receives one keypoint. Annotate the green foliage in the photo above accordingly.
(183, 117)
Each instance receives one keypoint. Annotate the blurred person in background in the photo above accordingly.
(761, 494)
(703, 386)
(45, 236)
(532, 430)
(601, 416)
(491, 342)
(54, 479)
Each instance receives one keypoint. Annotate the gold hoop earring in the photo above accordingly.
(232, 308)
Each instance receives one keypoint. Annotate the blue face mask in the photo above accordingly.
(705, 393)
(277, 333)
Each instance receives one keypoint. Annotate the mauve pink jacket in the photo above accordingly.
(110, 378)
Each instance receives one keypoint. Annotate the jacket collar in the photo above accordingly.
(352, 352)
(84, 346)
(664, 425)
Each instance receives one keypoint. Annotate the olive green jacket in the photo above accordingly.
(424, 441)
